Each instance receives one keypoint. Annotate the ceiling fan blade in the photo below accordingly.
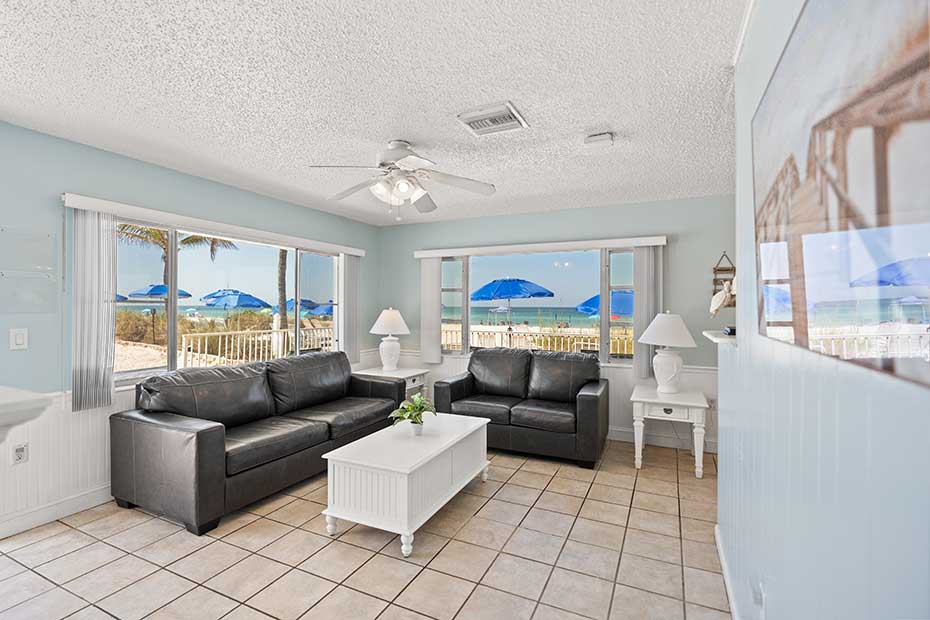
(470, 185)
(376, 168)
(357, 188)
(425, 204)
(414, 161)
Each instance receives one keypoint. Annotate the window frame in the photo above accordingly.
(605, 289)
(128, 377)
(466, 305)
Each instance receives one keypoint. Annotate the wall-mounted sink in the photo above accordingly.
(20, 406)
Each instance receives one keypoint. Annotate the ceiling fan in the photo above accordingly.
(404, 178)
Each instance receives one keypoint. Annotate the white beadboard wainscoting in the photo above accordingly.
(622, 381)
(68, 468)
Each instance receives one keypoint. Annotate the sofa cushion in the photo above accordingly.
(263, 441)
(231, 395)
(309, 379)
(495, 408)
(345, 415)
(558, 376)
(500, 371)
(544, 415)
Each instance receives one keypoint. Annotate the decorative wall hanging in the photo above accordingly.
(842, 190)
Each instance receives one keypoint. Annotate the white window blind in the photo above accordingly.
(94, 315)
(431, 310)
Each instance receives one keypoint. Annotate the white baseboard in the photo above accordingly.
(619, 433)
(50, 512)
(724, 567)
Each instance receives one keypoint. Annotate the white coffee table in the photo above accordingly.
(394, 481)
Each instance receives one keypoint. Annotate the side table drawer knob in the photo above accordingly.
(667, 410)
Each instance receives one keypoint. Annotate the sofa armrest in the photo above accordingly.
(451, 389)
(592, 420)
(170, 464)
(378, 387)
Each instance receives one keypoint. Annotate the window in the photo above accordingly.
(218, 301)
(230, 295)
(142, 271)
(620, 280)
(454, 305)
(318, 279)
(550, 301)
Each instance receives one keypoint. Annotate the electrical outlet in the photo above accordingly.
(20, 453)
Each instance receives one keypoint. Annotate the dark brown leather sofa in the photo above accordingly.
(541, 402)
(203, 442)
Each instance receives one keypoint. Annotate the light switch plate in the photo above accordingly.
(19, 339)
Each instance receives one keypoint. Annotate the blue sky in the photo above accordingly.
(251, 268)
(572, 276)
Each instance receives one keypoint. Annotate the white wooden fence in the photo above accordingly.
(871, 346)
(240, 347)
(563, 340)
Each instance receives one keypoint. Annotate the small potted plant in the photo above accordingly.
(412, 410)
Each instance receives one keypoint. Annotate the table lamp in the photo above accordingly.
(667, 330)
(389, 322)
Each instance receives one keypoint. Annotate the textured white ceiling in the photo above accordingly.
(251, 93)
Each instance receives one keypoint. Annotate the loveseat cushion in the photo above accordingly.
(495, 408)
(345, 415)
(231, 395)
(500, 371)
(263, 441)
(559, 376)
(309, 379)
(545, 415)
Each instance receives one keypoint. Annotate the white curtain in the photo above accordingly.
(647, 282)
(94, 315)
(431, 310)
(348, 306)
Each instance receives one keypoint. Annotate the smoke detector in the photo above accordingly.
(494, 118)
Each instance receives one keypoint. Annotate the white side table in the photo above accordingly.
(415, 377)
(681, 407)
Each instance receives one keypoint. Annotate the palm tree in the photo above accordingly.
(145, 236)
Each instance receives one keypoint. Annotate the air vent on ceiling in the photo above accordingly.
(492, 119)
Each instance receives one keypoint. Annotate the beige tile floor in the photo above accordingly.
(541, 539)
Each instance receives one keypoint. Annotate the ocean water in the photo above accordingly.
(543, 316)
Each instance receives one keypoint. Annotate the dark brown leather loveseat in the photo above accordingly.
(204, 442)
(541, 402)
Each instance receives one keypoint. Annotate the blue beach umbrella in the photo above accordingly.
(157, 291)
(223, 292)
(237, 300)
(907, 272)
(305, 305)
(121, 297)
(510, 288)
(621, 304)
(321, 310)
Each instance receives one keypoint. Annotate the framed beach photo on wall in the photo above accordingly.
(841, 174)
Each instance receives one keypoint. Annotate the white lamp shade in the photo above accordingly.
(390, 323)
(668, 330)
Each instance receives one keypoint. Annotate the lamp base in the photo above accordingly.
(666, 365)
(390, 352)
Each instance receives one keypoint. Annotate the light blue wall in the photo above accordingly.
(35, 169)
(824, 482)
(698, 230)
